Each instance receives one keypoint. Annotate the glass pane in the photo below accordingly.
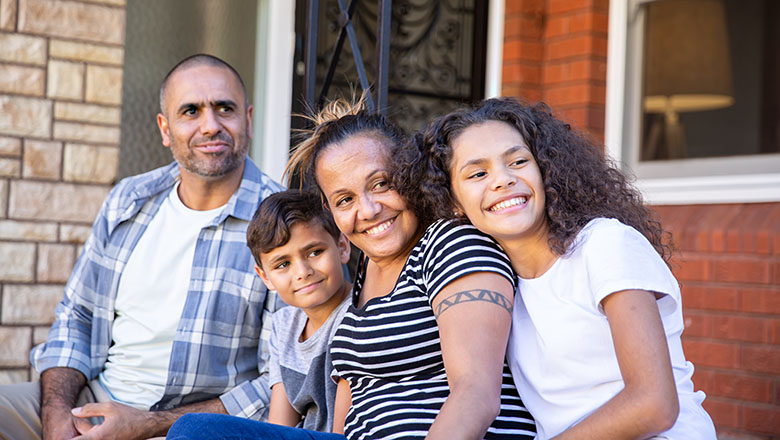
(709, 73)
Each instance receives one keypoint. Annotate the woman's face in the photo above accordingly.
(497, 183)
(353, 176)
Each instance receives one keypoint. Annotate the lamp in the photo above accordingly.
(686, 68)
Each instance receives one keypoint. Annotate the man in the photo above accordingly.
(162, 314)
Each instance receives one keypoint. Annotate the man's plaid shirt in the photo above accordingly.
(221, 344)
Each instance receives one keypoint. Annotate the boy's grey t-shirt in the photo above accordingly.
(304, 368)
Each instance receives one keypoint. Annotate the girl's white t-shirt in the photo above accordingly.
(560, 348)
(149, 302)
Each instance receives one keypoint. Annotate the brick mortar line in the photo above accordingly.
(575, 34)
(89, 143)
(737, 313)
(96, 124)
(87, 62)
(72, 39)
(61, 182)
(742, 403)
(20, 64)
(556, 85)
(727, 284)
(745, 254)
(104, 106)
(752, 374)
(733, 342)
(49, 139)
(99, 4)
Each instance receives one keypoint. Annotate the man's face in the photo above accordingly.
(206, 121)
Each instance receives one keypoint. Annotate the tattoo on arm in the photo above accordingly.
(473, 295)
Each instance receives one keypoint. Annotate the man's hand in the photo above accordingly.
(120, 422)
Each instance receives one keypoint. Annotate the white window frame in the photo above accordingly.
(689, 181)
(494, 61)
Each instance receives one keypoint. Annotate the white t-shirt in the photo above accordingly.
(560, 348)
(149, 303)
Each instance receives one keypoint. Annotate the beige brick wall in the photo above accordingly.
(60, 91)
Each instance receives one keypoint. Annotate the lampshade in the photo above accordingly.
(687, 63)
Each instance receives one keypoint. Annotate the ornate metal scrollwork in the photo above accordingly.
(434, 46)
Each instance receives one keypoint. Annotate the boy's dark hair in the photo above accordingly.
(277, 213)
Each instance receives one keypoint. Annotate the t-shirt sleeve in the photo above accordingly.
(453, 250)
(618, 257)
(275, 345)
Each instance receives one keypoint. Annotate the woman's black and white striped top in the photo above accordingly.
(389, 350)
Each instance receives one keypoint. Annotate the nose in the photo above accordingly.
(503, 178)
(209, 125)
(303, 270)
(368, 207)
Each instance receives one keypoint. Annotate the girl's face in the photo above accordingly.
(353, 176)
(497, 183)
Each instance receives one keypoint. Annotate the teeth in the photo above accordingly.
(507, 203)
(379, 228)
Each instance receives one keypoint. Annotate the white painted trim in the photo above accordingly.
(743, 188)
(621, 134)
(616, 78)
(273, 85)
(495, 49)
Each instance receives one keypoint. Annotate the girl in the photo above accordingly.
(595, 342)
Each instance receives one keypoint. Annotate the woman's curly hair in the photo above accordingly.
(580, 184)
(338, 120)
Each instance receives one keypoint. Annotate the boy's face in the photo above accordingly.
(306, 271)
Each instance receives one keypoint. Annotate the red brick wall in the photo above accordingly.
(728, 258)
(728, 264)
(556, 51)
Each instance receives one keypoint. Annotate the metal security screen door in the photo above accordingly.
(420, 58)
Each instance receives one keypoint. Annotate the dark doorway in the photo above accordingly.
(437, 55)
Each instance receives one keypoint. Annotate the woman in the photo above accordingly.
(595, 344)
(420, 353)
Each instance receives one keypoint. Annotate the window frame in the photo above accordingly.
(687, 181)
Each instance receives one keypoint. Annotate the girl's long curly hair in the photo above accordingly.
(580, 183)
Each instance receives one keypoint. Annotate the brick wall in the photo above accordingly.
(728, 264)
(728, 259)
(60, 89)
(556, 51)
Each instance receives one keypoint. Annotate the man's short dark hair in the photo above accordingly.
(199, 59)
(276, 215)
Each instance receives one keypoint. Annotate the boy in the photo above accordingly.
(299, 252)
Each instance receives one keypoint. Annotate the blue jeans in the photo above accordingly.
(224, 427)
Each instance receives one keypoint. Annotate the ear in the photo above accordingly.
(162, 124)
(249, 111)
(264, 277)
(458, 210)
(344, 248)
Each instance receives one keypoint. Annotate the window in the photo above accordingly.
(693, 108)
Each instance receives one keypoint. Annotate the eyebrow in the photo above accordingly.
(309, 246)
(508, 152)
(344, 190)
(217, 103)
